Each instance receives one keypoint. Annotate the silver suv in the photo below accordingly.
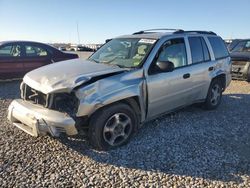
(129, 80)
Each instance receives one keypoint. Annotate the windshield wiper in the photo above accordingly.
(120, 66)
(108, 63)
(117, 65)
(94, 60)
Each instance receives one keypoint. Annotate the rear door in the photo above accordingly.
(35, 56)
(202, 66)
(11, 61)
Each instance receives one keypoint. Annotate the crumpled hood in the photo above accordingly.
(66, 75)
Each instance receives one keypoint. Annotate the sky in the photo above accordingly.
(56, 20)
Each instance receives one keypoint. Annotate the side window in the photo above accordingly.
(247, 47)
(206, 53)
(199, 50)
(196, 49)
(10, 51)
(219, 47)
(34, 51)
(174, 50)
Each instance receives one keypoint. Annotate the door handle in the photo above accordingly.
(185, 76)
(210, 68)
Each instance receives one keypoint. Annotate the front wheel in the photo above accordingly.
(214, 95)
(112, 126)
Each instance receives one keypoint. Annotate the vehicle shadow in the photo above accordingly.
(10, 89)
(214, 145)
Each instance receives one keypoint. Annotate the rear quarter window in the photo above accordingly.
(219, 47)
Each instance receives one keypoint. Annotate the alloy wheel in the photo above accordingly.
(216, 94)
(117, 129)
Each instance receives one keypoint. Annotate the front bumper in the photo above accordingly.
(38, 120)
(240, 70)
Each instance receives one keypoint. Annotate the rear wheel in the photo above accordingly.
(214, 95)
(112, 126)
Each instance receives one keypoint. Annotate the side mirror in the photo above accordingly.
(165, 66)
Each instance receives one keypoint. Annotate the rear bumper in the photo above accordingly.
(37, 120)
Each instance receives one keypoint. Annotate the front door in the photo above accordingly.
(170, 90)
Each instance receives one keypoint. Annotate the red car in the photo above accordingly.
(19, 57)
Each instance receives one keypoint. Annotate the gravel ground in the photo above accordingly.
(189, 148)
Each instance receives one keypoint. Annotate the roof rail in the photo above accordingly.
(161, 29)
(199, 32)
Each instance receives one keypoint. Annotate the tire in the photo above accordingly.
(112, 124)
(214, 95)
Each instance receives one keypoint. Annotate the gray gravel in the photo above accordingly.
(190, 148)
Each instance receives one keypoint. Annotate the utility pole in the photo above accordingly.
(78, 32)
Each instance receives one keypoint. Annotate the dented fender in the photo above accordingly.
(110, 90)
(222, 68)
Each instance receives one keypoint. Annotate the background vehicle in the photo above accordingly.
(80, 48)
(129, 80)
(62, 48)
(240, 54)
(19, 57)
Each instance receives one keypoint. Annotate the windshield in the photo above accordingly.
(243, 46)
(123, 52)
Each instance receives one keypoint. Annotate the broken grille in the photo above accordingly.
(34, 96)
(62, 102)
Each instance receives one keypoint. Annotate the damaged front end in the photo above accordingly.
(38, 113)
(61, 102)
(240, 69)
